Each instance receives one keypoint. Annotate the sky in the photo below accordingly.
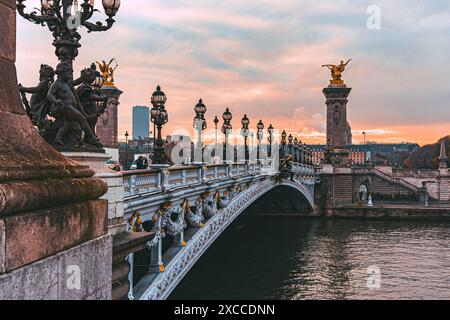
(264, 57)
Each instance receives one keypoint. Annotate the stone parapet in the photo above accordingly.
(56, 277)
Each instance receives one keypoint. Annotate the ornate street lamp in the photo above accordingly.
(260, 136)
(270, 139)
(296, 150)
(126, 150)
(245, 133)
(199, 125)
(159, 117)
(283, 137)
(216, 123)
(57, 16)
(226, 130)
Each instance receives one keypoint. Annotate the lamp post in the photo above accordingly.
(199, 125)
(283, 137)
(290, 139)
(245, 132)
(159, 117)
(126, 150)
(270, 138)
(149, 146)
(252, 136)
(283, 144)
(57, 16)
(296, 150)
(216, 123)
(260, 136)
(226, 130)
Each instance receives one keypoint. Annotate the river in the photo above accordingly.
(301, 258)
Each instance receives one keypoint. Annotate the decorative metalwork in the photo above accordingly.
(194, 215)
(185, 259)
(63, 17)
(199, 125)
(226, 130)
(159, 117)
(245, 133)
(260, 137)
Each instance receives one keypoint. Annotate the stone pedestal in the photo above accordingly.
(337, 125)
(114, 180)
(53, 235)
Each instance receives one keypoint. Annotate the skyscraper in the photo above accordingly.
(141, 122)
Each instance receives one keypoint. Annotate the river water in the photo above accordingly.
(300, 258)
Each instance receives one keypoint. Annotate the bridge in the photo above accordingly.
(194, 205)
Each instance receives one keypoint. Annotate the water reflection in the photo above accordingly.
(275, 258)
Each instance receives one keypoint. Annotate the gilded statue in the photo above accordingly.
(107, 72)
(336, 72)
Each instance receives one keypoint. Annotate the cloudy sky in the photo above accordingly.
(264, 57)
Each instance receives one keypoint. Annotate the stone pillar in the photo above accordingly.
(337, 125)
(52, 225)
(114, 181)
(107, 125)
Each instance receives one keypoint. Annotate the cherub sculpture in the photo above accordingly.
(38, 106)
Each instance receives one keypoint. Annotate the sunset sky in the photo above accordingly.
(264, 57)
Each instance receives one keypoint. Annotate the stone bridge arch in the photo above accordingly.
(161, 287)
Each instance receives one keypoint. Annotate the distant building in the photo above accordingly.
(141, 122)
(360, 153)
(356, 157)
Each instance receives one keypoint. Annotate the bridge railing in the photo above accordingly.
(166, 178)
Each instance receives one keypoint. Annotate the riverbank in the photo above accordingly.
(391, 211)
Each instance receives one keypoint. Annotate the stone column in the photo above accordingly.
(53, 235)
(107, 124)
(337, 125)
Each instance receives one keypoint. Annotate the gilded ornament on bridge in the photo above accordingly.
(107, 71)
(135, 223)
(336, 72)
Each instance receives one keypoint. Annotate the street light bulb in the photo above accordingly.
(260, 125)
(158, 98)
(111, 7)
(227, 116)
(47, 4)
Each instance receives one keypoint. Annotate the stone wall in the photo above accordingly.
(393, 213)
(438, 181)
(53, 227)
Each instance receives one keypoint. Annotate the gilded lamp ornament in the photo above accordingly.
(336, 72)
